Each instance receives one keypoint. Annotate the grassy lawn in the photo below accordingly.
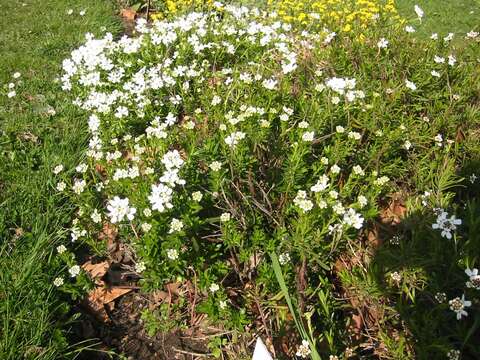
(35, 35)
(443, 16)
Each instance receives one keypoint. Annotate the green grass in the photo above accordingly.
(443, 16)
(35, 35)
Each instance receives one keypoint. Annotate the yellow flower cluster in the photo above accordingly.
(167, 8)
(340, 14)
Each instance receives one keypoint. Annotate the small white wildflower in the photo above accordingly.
(140, 267)
(339, 129)
(214, 287)
(61, 186)
(11, 94)
(147, 212)
(335, 169)
(418, 11)
(216, 100)
(357, 170)
(16, 75)
(119, 209)
(58, 169)
(362, 201)
(453, 354)
(96, 216)
(396, 277)
(441, 297)
(146, 227)
(197, 196)
(411, 85)
(79, 186)
(175, 226)
(172, 254)
(409, 29)
(303, 125)
(474, 278)
(61, 249)
(215, 165)
(303, 350)
(225, 217)
(324, 161)
(308, 136)
(302, 202)
(222, 304)
(354, 135)
(382, 43)
(321, 184)
(407, 145)
(458, 305)
(74, 270)
(58, 281)
(473, 178)
(435, 73)
(284, 258)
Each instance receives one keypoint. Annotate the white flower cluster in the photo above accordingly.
(446, 224)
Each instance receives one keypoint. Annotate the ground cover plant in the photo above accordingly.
(311, 182)
(224, 144)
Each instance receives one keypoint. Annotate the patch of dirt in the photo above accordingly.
(125, 334)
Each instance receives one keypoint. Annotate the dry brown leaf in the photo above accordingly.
(395, 212)
(100, 296)
(128, 14)
(96, 271)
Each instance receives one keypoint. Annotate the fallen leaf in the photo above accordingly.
(96, 271)
(101, 296)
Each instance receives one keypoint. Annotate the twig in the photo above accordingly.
(191, 353)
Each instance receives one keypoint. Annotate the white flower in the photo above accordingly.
(215, 166)
(357, 170)
(146, 227)
(222, 304)
(172, 254)
(354, 135)
(225, 217)
(61, 249)
(458, 305)
(96, 216)
(449, 37)
(434, 36)
(140, 267)
(74, 270)
(303, 125)
(16, 75)
(409, 29)
(340, 129)
(324, 161)
(216, 100)
(58, 281)
(284, 258)
(451, 60)
(418, 11)
(175, 225)
(160, 197)
(453, 354)
(362, 201)
(214, 288)
(333, 194)
(439, 59)
(472, 35)
(321, 184)
(119, 209)
(269, 84)
(473, 178)
(439, 140)
(410, 85)
(382, 43)
(61, 186)
(308, 136)
(302, 202)
(58, 169)
(435, 73)
(445, 224)
(82, 13)
(70, 12)
(79, 186)
(197, 196)
(234, 138)
(172, 160)
(11, 94)
(396, 277)
(335, 169)
(381, 180)
(353, 219)
(441, 297)
(474, 278)
(147, 212)
(407, 145)
(303, 350)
